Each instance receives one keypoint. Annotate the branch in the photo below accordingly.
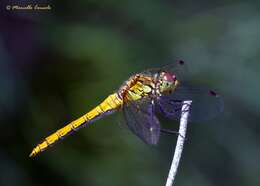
(180, 142)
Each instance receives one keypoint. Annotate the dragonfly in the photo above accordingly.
(144, 96)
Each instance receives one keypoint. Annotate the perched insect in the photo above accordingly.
(159, 90)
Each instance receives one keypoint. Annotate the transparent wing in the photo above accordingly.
(141, 120)
(179, 68)
(206, 104)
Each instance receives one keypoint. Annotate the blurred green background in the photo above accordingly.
(56, 65)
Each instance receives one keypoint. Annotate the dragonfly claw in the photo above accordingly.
(167, 131)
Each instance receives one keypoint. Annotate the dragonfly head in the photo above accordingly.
(168, 82)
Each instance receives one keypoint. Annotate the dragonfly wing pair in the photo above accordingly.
(206, 104)
(142, 121)
(141, 117)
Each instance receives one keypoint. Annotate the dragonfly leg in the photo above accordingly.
(167, 131)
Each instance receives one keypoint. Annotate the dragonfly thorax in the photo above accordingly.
(140, 86)
(137, 87)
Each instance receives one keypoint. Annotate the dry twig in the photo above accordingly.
(180, 142)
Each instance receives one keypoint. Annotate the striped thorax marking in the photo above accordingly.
(137, 87)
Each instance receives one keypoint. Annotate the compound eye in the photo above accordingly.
(169, 77)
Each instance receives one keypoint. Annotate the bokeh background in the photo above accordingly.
(56, 65)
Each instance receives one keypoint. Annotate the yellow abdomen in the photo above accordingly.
(111, 103)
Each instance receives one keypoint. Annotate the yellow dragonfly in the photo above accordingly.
(140, 98)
